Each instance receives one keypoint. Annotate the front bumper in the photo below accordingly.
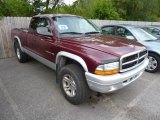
(110, 83)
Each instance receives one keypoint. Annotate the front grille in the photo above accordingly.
(132, 60)
(142, 53)
(129, 65)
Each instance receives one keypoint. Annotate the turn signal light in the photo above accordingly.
(107, 72)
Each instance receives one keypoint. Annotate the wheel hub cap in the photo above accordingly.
(18, 53)
(152, 63)
(69, 85)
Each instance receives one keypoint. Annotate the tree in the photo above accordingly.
(143, 10)
(84, 7)
(42, 6)
(104, 9)
(15, 8)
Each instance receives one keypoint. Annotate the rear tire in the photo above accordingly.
(154, 63)
(73, 84)
(21, 56)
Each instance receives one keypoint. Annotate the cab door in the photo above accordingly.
(32, 35)
(46, 43)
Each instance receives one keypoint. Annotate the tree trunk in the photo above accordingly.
(55, 4)
(47, 4)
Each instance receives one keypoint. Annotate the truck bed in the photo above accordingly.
(20, 32)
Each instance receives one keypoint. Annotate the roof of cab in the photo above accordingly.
(55, 15)
(122, 25)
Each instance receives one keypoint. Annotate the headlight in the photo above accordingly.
(107, 69)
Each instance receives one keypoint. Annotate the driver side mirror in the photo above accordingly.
(44, 31)
(130, 37)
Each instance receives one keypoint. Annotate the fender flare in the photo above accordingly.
(73, 57)
(19, 41)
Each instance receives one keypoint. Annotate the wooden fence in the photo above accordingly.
(8, 23)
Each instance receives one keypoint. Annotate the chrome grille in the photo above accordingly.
(130, 61)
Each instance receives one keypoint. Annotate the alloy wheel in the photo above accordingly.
(69, 85)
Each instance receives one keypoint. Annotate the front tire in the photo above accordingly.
(21, 56)
(154, 63)
(73, 84)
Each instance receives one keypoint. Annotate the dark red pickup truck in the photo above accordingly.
(83, 58)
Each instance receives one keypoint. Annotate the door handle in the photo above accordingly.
(42, 39)
(48, 37)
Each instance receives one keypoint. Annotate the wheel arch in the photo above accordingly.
(153, 52)
(16, 38)
(73, 57)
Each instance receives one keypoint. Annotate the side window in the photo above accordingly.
(156, 32)
(123, 32)
(149, 30)
(40, 26)
(43, 27)
(33, 25)
(108, 30)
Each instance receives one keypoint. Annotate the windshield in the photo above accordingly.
(142, 35)
(153, 31)
(74, 25)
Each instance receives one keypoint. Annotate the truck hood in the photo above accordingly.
(108, 44)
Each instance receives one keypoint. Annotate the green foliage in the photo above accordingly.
(44, 6)
(15, 8)
(84, 8)
(142, 10)
(104, 9)
(79, 7)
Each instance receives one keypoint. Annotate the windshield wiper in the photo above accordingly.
(71, 33)
(93, 32)
(153, 40)
(77, 33)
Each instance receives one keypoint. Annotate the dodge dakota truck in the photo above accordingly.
(82, 57)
